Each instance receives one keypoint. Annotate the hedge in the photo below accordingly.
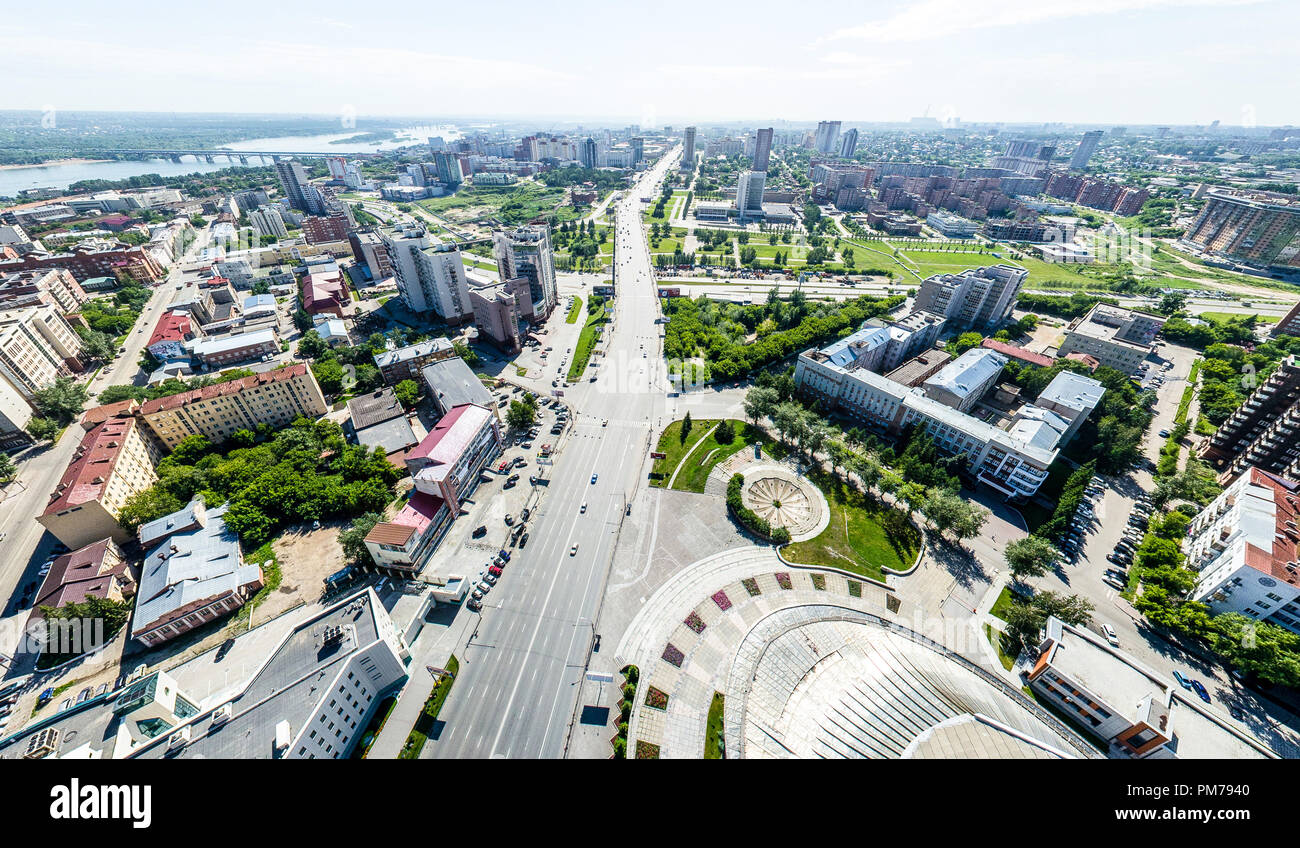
(751, 520)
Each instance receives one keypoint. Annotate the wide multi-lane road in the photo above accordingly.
(520, 670)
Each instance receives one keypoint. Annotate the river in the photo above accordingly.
(62, 175)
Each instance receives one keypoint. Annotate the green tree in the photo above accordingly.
(949, 512)
(329, 373)
(1266, 649)
(686, 428)
(407, 392)
(1031, 556)
(520, 416)
(62, 400)
(368, 377)
(312, 346)
(353, 538)
(42, 429)
(466, 353)
(964, 342)
(1025, 619)
(8, 471)
(724, 433)
(97, 345)
(760, 401)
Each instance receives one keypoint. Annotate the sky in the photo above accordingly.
(668, 62)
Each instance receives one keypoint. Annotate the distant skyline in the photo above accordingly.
(1183, 62)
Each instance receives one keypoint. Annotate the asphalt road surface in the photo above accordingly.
(520, 670)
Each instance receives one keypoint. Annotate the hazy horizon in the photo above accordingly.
(1129, 62)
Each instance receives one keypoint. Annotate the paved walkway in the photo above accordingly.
(682, 462)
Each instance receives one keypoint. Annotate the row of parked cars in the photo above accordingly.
(1083, 515)
(1122, 556)
(488, 579)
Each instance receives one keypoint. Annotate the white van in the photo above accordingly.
(1109, 633)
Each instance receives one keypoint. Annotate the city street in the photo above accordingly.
(521, 666)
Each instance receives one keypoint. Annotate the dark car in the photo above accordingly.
(480, 530)
(224, 649)
(474, 604)
(1199, 688)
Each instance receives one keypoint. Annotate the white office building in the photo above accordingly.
(975, 299)
(749, 194)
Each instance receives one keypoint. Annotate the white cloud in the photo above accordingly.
(931, 19)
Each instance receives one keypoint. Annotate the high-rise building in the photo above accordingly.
(762, 149)
(749, 193)
(430, 276)
(975, 299)
(448, 167)
(1261, 431)
(688, 150)
(496, 316)
(526, 252)
(36, 346)
(1260, 228)
(587, 152)
(1082, 153)
(338, 167)
(268, 222)
(849, 144)
(828, 133)
(293, 179)
(638, 150)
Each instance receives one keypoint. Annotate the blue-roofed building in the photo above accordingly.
(258, 305)
(194, 573)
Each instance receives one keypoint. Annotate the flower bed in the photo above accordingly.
(694, 622)
(783, 580)
(819, 582)
(674, 655)
(646, 751)
(855, 589)
(656, 699)
(751, 586)
(720, 598)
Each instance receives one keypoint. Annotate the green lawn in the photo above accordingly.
(1002, 606)
(1224, 317)
(586, 342)
(711, 453)
(574, 311)
(271, 577)
(420, 733)
(713, 730)
(671, 444)
(996, 639)
(864, 536)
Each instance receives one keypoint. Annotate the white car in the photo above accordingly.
(573, 551)
(1109, 633)
(583, 508)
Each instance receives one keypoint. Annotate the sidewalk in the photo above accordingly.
(433, 647)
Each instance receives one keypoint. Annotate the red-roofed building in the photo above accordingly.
(276, 397)
(113, 462)
(94, 571)
(1245, 544)
(400, 547)
(1020, 354)
(170, 334)
(448, 462)
(1091, 361)
(446, 466)
(325, 292)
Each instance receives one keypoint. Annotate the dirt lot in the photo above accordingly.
(306, 558)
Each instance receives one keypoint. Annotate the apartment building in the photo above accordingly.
(1118, 338)
(430, 276)
(55, 286)
(688, 150)
(94, 260)
(975, 299)
(828, 133)
(194, 573)
(276, 397)
(170, 333)
(114, 461)
(1258, 228)
(1262, 430)
(1244, 544)
(369, 249)
(526, 252)
(328, 228)
(1127, 706)
(36, 346)
(1289, 325)
(405, 363)
(97, 570)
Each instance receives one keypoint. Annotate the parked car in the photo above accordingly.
(490, 579)
(1199, 688)
(510, 519)
(474, 604)
(1182, 681)
(479, 531)
(496, 570)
